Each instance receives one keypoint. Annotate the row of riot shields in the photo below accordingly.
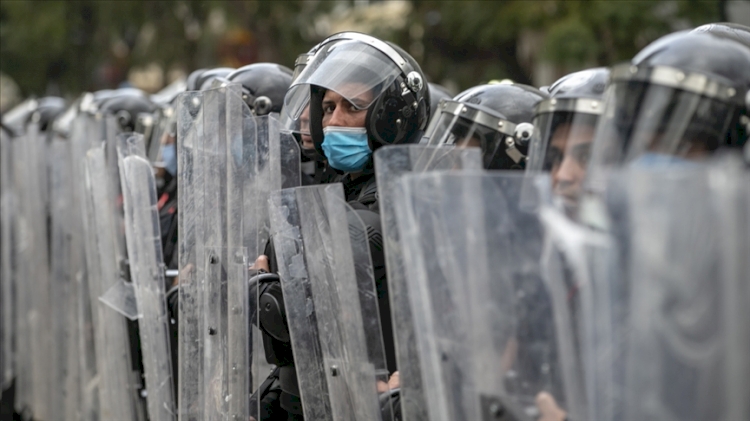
(643, 316)
(84, 326)
(498, 300)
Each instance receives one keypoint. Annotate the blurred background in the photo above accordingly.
(67, 47)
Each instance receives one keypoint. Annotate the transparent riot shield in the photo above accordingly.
(259, 161)
(143, 237)
(202, 169)
(214, 266)
(390, 164)
(82, 138)
(189, 111)
(22, 245)
(117, 385)
(573, 256)
(730, 190)
(473, 251)
(676, 291)
(8, 254)
(39, 314)
(331, 302)
(64, 264)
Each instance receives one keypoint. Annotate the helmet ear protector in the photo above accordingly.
(398, 115)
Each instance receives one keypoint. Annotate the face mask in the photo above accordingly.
(346, 148)
(169, 157)
(658, 160)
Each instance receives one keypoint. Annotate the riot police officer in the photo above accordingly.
(359, 94)
(564, 130)
(494, 117)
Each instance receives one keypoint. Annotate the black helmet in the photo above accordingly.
(127, 104)
(191, 84)
(43, 111)
(733, 31)
(207, 77)
(47, 109)
(263, 86)
(369, 73)
(564, 130)
(684, 95)
(495, 117)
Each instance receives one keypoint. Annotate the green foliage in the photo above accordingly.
(92, 44)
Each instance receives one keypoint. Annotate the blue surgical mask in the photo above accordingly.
(346, 148)
(169, 157)
(659, 160)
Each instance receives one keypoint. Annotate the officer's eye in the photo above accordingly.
(582, 154)
(328, 108)
(553, 159)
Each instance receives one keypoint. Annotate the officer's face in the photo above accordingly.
(307, 142)
(472, 141)
(570, 148)
(338, 111)
(466, 135)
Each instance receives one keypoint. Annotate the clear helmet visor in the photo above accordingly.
(561, 146)
(355, 70)
(665, 113)
(464, 125)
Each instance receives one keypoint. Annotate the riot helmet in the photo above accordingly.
(300, 63)
(682, 97)
(495, 117)
(564, 130)
(127, 104)
(47, 109)
(63, 122)
(191, 84)
(15, 119)
(728, 30)
(207, 77)
(379, 83)
(263, 86)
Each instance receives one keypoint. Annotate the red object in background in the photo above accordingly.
(237, 48)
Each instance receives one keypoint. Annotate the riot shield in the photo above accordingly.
(487, 343)
(390, 164)
(7, 261)
(82, 138)
(675, 295)
(202, 167)
(259, 161)
(574, 255)
(38, 293)
(117, 385)
(191, 328)
(214, 266)
(143, 237)
(331, 303)
(64, 377)
(228, 164)
(732, 195)
(22, 245)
